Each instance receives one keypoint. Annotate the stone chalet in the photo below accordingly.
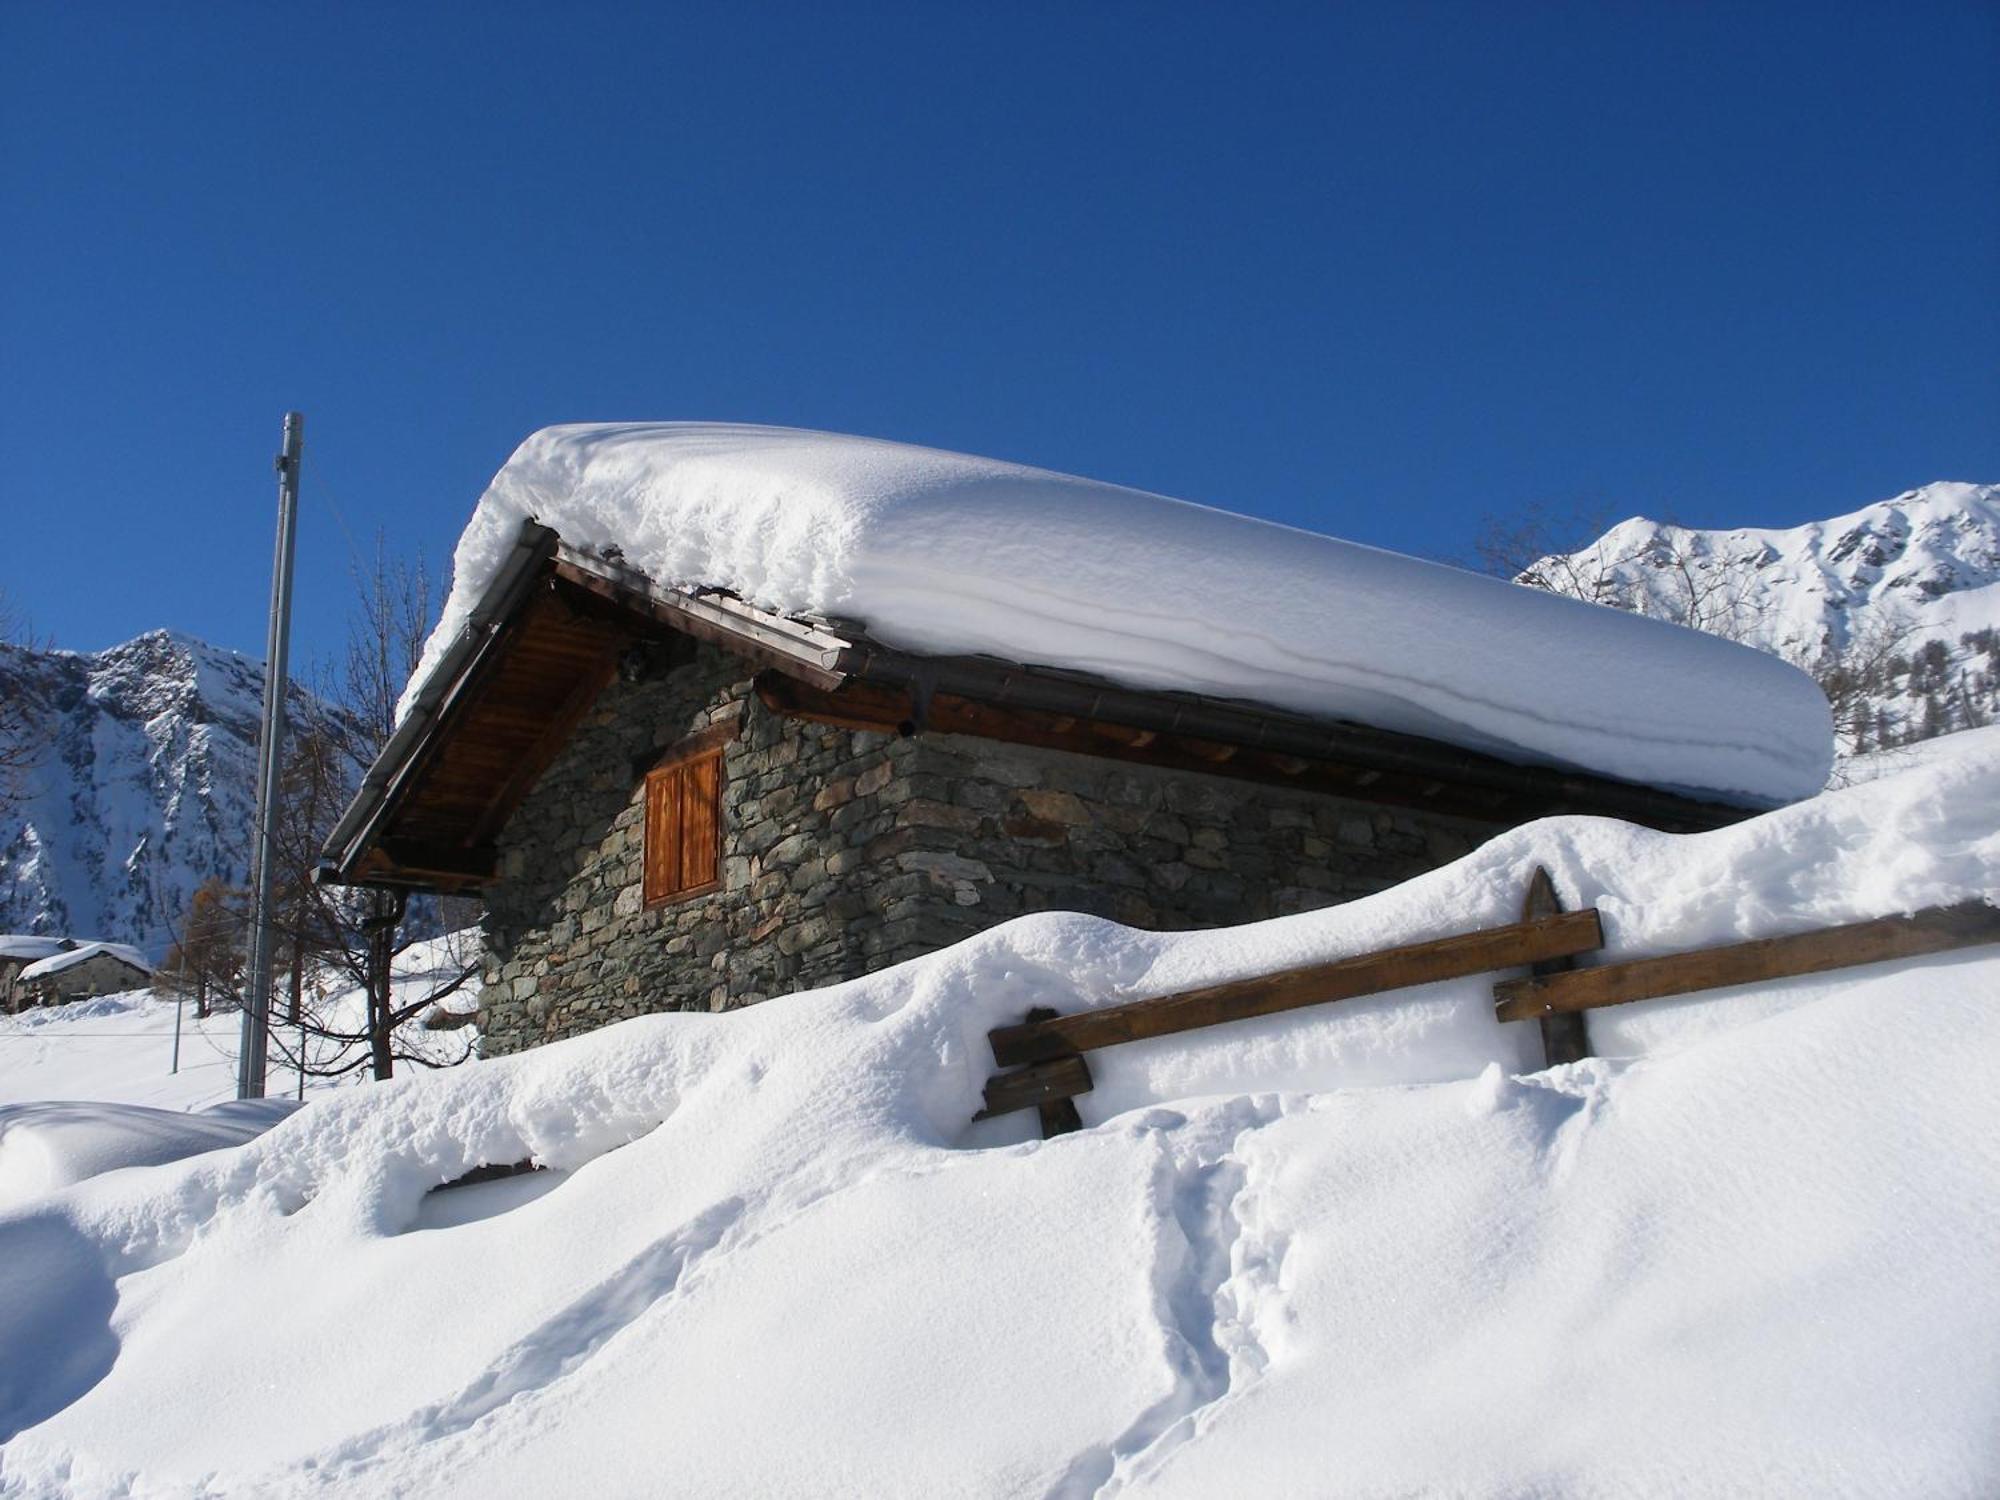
(75, 971)
(670, 799)
(17, 951)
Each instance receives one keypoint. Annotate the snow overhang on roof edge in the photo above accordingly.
(814, 653)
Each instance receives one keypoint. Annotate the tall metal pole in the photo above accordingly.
(270, 761)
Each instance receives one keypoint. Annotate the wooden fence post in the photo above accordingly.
(1565, 1038)
(1059, 1116)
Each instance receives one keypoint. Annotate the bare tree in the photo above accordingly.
(1859, 673)
(353, 937)
(385, 640)
(337, 941)
(206, 960)
(1665, 572)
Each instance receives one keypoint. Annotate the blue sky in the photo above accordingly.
(1380, 270)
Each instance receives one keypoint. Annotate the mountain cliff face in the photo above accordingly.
(143, 785)
(1894, 607)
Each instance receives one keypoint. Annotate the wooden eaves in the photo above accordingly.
(540, 645)
(555, 622)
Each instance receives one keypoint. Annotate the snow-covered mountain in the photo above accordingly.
(143, 784)
(1895, 607)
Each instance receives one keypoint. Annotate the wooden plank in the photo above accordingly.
(1343, 979)
(1057, 1112)
(1936, 929)
(552, 735)
(767, 640)
(489, 1174)
(1565, 1038)
(453, 862)
(662, 851)
(1036, 1085)
(701, 819)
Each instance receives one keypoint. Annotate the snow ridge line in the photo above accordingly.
(1213, 1284)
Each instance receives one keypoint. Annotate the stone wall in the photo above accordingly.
(844, 851)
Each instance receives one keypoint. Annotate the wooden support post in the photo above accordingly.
(1036, 1084)
(1068, 1073)
(1565, 1038)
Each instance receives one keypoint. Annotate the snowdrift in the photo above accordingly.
(50, 1144)
(1361, 1251)
(942, 553)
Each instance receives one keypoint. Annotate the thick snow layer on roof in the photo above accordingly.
(941, 553)
(1362, 1249)
(26, 945)
(56, 963)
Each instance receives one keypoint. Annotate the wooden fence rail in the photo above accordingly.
(1343, 979)
(1936, 929)
(1046, 1051)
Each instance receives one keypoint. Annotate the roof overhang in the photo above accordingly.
(547, 636)
(489, 717)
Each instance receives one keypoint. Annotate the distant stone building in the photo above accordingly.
(17, 951)
(82, 970)
(669, 799)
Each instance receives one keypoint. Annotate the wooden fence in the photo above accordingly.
(1044, 1052)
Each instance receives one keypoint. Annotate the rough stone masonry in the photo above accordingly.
(844, 851)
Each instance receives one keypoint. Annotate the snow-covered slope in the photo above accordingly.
(945, 553)
(46, 1145)
(143, 787)
(1359, 1251)
(119, 1049)
(1894, 589)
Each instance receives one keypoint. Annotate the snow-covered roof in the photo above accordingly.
(26, 945)
(941, 553)
(58, 963)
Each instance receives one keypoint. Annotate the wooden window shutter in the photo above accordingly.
(701, 819)
(683, 826)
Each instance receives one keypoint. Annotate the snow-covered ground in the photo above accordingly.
(1368, 1250)
(945, 553)
(100, 1083)
(120, 1048)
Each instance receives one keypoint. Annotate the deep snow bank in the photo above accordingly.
(51, 1143)
(939, 552)
(1347, 1254)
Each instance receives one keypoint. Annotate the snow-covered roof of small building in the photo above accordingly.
(944, 554)
(59, 962)
(27, 945)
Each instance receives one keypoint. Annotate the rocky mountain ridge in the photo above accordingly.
(142, 784)
(1895, 607)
